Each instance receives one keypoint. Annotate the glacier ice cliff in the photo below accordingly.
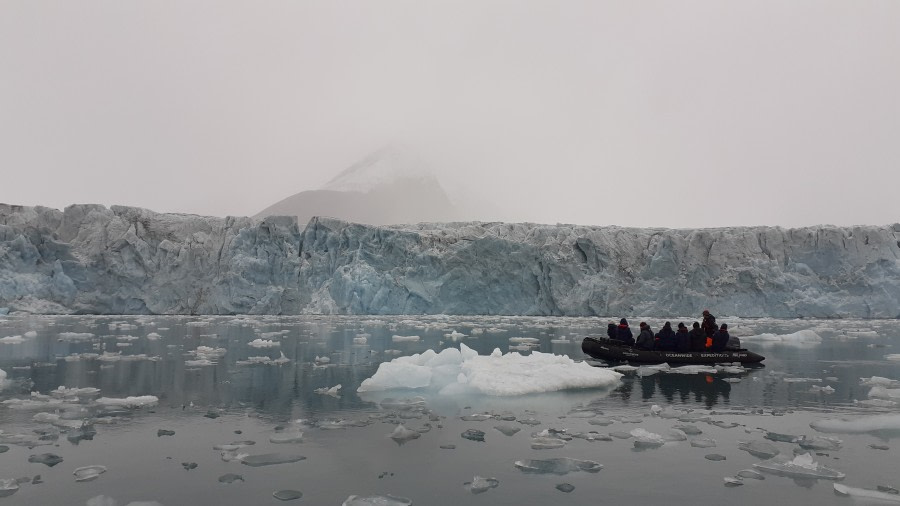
(124, 260)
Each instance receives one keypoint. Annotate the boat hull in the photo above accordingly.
(613, 351)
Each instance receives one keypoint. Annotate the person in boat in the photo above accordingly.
(645, 338)
(665, 339)
(720, 338)
(682, 339)
(611, 331)
(698, 338)
(623, 333)
(709, 323)
(733, 343)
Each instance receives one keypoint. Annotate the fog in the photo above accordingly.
(675, 114)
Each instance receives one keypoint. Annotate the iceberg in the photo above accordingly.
(801, 337)
(883, 424)
(463, 371)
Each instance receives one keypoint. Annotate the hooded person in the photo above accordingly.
(720, 338)
(682, 339)
(666, 339)
(709, 323)
(645, 338)
(698, 338)
(623, 333)
(611, 330)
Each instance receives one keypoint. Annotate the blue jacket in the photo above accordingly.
(720, 340)
(682, 340)
(666, 339)
(623, 333)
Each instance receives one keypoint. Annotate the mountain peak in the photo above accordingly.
(385, 166)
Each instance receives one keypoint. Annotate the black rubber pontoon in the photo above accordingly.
(615, 351)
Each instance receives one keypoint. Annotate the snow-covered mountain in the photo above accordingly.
(91, 259)
(390, 186)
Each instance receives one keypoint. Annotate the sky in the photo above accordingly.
(697, 113)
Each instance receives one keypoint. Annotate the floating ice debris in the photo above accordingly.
(129, 402)
(693, 369)
(876, 403)
(73, 337)
(473, 435)
(263, 343)
(691, 430)
(405, 339)
(414, 403)
(879, 381)
(360, 340)
(714, 457)
(12, 340)
(620, 434)
(546, 443)
(782, 438)
(508, 430)
(333, 391)
(703, 443)
(880, 392)
(63, 392)
(448, 447)
(529, 421)
(881, 497)
(8, 487)
(646, 439)
(476, 417)
(750, 474)
(153, 336)
(731, 380)
(455, 335)
(479, 484)
(230, 478)
(877, 423)
(287, 438)
(805, 336)
(459, 371)
(815, 389)
(4, 448)
(271, 459)
(592, 436)
(893, 356)
(675, 435)
(802, 466)
(88, 473)
(322, 360)
(624, 368)
(287, 495)
(402, 435)
(565, 487)
(603, 422)
(723, 424)
(48, 459)
(879, 447)
(376, 500)
(630, 419)
(189, 465)
(819, 443)
(731, 482)
(558, 466)
(759, 449)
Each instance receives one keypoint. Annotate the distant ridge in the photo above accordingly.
(390, 186)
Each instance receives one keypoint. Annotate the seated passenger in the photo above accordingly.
(645, 339)
(698, 338)
(666, 338)
(733, 343)
(682, 339)
(623, 333)
(611, 330)
(720, 338)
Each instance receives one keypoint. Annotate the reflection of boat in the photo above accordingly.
(615, 351)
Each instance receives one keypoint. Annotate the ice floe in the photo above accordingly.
(558, 466)
(800, 337)
(463, 371)
(802, 466)
(876, 423)
(862, 493)
(376, 500)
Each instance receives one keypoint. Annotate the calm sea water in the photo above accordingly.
(241, 399)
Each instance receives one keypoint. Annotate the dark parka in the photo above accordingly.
(698, 339)
(682, 340)
(623, 333)
(720, 340)
(666, 339)
(645, 339)
(709, 324)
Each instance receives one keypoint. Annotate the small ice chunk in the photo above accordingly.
(546, 443)
(479, 484)
(473, 435)
(270, 459)
(601, 421)
(376, 500)
(732, 482)
(691, 430)
(476, 417)
(876, 423)
(405, 339)
(48, 459)
(559, 466)
(819, 443)
(703, 443)
(287, 438)
(750, 474)
(675, 435)
(862, 493)
(263, 343)
(230, 478)
(565, 487)
(401, 434)
(759, 449)
(508, 430)
(8, 487)
(646, 439)
(332, 391)
(129, 402)
(88, 473)
(802, 466)
(287, 495)
(714, 457)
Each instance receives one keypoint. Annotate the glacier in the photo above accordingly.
(89, 258)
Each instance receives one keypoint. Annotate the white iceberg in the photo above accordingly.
(462, 371)
(877, 423)
(800, 337)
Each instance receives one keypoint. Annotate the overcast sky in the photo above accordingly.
(652, 113)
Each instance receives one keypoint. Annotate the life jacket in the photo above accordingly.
(709, 342)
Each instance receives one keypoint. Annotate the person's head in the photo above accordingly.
(643, 325)
(706, 312)
(724, 326)
(611, 325)
(623, 321)
(696, 325)
(667, 325)
(681, 326)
